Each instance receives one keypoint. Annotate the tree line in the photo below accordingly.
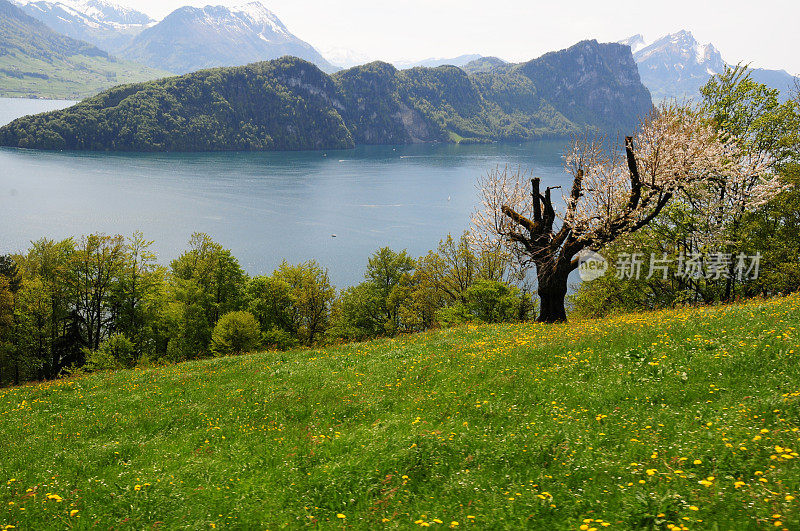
(100, 302)
(715, 180)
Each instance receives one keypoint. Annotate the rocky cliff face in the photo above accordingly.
(592, 84)
(374, 110)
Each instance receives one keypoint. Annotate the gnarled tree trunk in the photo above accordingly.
(551, 304)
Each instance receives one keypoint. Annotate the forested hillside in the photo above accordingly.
(290, 104)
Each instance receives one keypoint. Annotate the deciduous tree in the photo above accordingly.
(614, 192)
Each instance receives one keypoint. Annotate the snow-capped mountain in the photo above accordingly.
(115, 13)
(99, 22)
(192, 38)
(348, 58)
(677, 65)
(39, 61)
(433, 62)
(636, 42)
(345, 57)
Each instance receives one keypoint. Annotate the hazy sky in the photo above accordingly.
(764, 32)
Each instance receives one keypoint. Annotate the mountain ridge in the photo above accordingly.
(35, 60)
(104, 24)
(193, 38)
(290, 103)
(433, 62)
(677, 66)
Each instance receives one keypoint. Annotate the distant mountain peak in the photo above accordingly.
(484, 65)
(433, 62)
(682, 50)
(194, 38)
(345, 57)
(677, 65)
(253, 16)
(636, 42)
(100, 11)
(113, 13)
(682, 34)
(100, 22)
(39, 56)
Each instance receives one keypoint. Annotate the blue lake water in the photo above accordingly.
(265, 207)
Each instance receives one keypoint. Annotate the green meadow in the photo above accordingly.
(680, 419)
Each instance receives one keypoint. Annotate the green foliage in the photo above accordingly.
(356, 313)
(289, 104)
(271, 301)
(208, 282)
(753, 114)
(6, 323)
(495, 302)
(452, 285)
(774, 231)
(235, 333)
(116, 352)
(454, 315)
(279, 339)
(388, 276)
(293, 305)
(139, 297)
(311, 296)
(488, 301)
(103, 302)
(10, 270)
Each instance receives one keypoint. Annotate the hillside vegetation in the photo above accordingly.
(680, 419)
(289, 103)
(36, 61)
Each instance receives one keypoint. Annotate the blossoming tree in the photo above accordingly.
(614, 192)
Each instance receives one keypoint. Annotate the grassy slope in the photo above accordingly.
(76, 77)
(491, 426)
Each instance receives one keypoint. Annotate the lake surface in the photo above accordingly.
(265, 207)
